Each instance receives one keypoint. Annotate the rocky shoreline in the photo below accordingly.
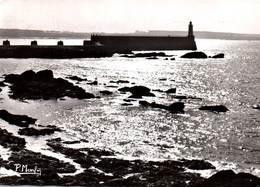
(99, 167)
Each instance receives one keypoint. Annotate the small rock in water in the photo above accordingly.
(137, 91)
(37, 132)
(76, 78)
(221, 55)
(257, 107)
(171, 90)
(174, 107)
(195, 55)
(106, 92)
(215, 108)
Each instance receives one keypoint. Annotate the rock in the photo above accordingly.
(137, 91)
(157, 90)
(128, 100)
(180, 97)
(124, 89)
(42, 85)
(71, 142)
(197, 164)
(126, 104)
(111, 86)
(194, 55)
(19, 120)
(152, 58)
(81, 94)
(76, 78)
(257, 107)
(106, 92)
(177, 107)
(171, 90)
(37, 132)
(8, 140)
(48, 166)
(216, 108)
(163, 79)
(141, 90)
(220, 55)
(120, 81)
(2, 84)
(152, 54)
(230, 178)
(128, 56)
(43, 75)
(144, 103)
(95, 82)
(172, 59)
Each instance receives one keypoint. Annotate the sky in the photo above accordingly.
(236, 16)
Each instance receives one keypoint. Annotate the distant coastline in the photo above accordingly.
(23, 33)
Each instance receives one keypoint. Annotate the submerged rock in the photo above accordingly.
(19, 120)
(195, 55)
(42, 85)
(215, 108)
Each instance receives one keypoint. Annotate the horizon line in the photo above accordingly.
(82, 32)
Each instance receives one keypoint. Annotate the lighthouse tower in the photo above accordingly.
(190, 30)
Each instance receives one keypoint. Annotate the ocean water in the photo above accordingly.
(228, 140)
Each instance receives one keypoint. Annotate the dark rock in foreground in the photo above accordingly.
(195, 55)
(37, 132)
(220, 55)
(42, 85)
(8, 140)
(111, 171)
(174, 107)
(19, 120)
(216, 108)
(230, 178)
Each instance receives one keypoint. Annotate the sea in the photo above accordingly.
(229, 140)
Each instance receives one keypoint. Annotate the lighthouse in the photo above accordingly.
(190, 30)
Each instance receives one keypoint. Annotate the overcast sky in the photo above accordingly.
(238, 16)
